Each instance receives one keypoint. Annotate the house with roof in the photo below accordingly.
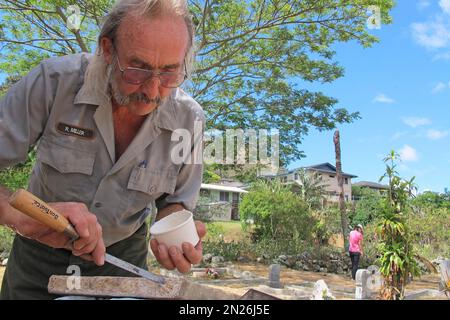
(220, 201)
(326, 172)
(380, 188)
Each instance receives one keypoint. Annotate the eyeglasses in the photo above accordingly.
(137, 76)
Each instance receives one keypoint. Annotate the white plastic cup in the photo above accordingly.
(175, 229)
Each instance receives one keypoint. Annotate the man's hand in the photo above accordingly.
(171, 258)
(89, 246)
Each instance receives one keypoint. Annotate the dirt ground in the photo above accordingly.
(290, 276)
(299, 278)
(342, 283)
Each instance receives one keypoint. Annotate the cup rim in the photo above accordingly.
(174, 227)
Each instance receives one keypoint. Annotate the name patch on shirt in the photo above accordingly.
(75, 131)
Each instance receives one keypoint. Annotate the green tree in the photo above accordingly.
(250, 56)
(209, 176)
(430, 229)
(310, 187)
(278, 214)
(396, 243)
(432, 200)
(368, 207)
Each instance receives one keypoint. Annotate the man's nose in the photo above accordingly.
(151, 87)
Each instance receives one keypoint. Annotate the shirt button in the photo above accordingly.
(98, 204)
(152, 189)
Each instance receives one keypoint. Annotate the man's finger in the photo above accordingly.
(99, 253)
(193, 255)
(180, 261)
(79, 220)
(162, 255)
(201, 228)
(86, 245)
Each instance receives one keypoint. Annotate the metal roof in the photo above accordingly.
(222, 188)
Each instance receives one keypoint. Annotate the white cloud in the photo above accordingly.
(398, 135)
(445, 6)
(382, 98)
(423, 4)
(432, 35)
(435, 33)
(441, 56)
(416, 122)
(408, 153)
(440, 86)
(436, 134)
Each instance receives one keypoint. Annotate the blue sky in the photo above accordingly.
(401, 87)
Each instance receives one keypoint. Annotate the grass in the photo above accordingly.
(229, 230)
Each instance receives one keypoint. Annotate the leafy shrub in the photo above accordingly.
(430, 229)
(6, 239)
(228, 250)
(272, 249)
(367, 208)
(215, 230)
(17, 176)
(432, 200)
(328, 222)
(13, 178)
(277, 213)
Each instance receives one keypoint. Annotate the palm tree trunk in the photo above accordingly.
(344, 221)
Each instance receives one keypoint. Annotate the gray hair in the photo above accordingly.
(142, 8)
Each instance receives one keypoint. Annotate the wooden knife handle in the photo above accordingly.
(37, 209)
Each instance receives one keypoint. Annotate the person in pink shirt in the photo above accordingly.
(355, 247)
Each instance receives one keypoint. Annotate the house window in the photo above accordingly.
(296, 176)
(331, 176)
(346, 180)
(224, 196)
(346, 198)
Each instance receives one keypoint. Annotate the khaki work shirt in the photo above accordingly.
(72, 125)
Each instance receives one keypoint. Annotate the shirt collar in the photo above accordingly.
(93, 93)
(166, 116)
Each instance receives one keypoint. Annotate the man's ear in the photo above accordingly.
(107, 49)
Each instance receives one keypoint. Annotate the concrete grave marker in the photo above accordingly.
(368, 283)
(274, 276)
(321, 291)
(445, 274)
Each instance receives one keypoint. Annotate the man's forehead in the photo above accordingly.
(153, 40)
(138, 27)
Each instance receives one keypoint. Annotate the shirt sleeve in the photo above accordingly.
(189, 179)
(23, 114)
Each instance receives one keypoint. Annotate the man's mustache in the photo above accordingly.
(142, 97)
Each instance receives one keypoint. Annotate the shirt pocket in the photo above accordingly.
(65, 172)
(152, 182)
(66, 159)
(145, 185)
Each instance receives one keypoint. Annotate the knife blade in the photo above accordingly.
(133, 269)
